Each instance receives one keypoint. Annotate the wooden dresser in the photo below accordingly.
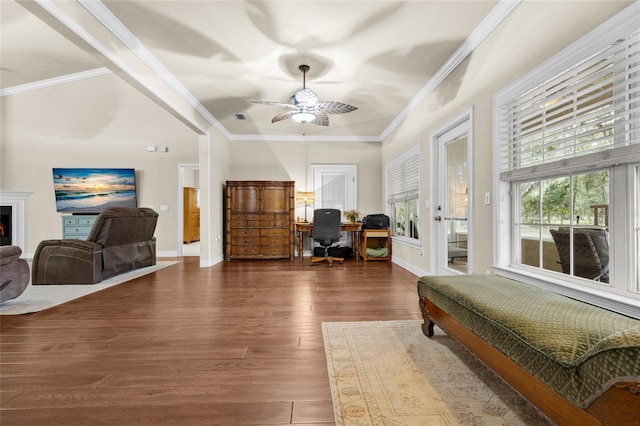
(259, 219)
(191, 215)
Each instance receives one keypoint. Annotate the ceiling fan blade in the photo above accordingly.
(283, 116)
(305, 98)
(278, 104)
(321, 119)
(335, 107)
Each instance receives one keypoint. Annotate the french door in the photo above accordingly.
(452, 207)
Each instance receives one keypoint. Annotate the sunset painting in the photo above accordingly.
(93, 190)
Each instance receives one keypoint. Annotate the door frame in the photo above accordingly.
(351, 190)
(457, 126)
(181, 168)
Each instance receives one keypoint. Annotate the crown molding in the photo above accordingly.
(122, 33)
(77, 30)
(488, 24)
(55, 81)
(304, 138)
(117, 28)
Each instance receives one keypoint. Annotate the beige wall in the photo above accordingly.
(104, 122)
(98, 122)
(531, 34)
(293, 160)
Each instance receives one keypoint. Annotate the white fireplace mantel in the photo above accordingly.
(17, 200)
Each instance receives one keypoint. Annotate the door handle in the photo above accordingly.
(438, 218)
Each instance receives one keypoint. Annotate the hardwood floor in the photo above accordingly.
(239, 343)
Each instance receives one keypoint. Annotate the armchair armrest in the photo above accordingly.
(67, 262)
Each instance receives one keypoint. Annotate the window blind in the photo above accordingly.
(578, 117)
(403, 176)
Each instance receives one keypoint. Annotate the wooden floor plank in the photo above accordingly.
(153, 396)
(237, 343)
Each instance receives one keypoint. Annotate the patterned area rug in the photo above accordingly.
(40, 297)
(389, 373)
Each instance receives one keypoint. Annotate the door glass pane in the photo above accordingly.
(333, 192)
(636, 223)
(456, 206)
(414, 218)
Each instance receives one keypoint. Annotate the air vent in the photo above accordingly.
(240, 116)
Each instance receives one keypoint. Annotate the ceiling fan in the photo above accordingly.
(306, 106)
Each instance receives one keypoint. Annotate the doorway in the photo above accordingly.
(453, 211)
(189, 210)
(334, 187)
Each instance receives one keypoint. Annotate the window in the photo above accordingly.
(403, 192)
(568, 152)
(550, 214)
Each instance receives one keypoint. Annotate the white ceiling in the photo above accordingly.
(376, 55)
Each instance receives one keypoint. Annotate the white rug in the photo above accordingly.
(39, 297)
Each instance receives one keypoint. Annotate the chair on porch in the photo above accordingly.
(590, 252)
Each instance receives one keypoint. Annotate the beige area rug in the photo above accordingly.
(389, 373)
(40, 297)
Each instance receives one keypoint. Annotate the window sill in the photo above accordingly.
(411, 242)
(612, 301)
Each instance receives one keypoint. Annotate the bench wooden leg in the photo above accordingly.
(427, 326)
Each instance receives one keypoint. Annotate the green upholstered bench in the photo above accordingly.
(548, 346)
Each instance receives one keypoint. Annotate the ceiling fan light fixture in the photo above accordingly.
(303, 117)
(307, 107)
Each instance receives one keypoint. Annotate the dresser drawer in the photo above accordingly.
(245, 241)
(244, 232)
(282, 220)
(274, 241)
(254, 223)
(275, 251)
(87, 221)
(77, 230)
(275, 232)
(252, 250)
(70, 220)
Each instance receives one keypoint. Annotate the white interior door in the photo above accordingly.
(335, 188)
(452, 207)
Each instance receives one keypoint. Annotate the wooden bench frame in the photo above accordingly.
(619, 405)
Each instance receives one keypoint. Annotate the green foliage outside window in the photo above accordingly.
(589, 190)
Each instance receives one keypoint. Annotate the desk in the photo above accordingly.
(353, 227)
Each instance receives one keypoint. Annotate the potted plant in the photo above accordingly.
(352, 215)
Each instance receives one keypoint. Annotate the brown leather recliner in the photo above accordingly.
(14, 273)
(120, 240)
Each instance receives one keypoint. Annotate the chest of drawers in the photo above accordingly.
(259, 220)
(77, 227)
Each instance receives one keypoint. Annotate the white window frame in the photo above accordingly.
(619, 296)
(404, 187)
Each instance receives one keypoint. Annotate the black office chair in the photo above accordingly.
(326, 231)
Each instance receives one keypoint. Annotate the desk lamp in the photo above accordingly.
(306, 198)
